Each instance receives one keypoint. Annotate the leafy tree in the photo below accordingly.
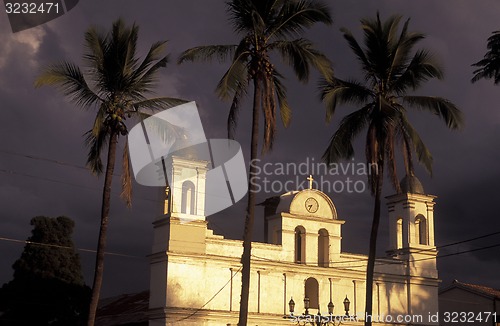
(265, 26)
(48, 286)
(115, 83)
(392, 68)
(489, 66)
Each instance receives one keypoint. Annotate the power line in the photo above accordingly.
(469, 240)
(39, 158)
(67, 183)
(91, 188)
(67, 247)
(421, 259)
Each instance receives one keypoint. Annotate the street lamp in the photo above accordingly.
(318, 320)
(347, 303)
(330, 308)
(291, 304)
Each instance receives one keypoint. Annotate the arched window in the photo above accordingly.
(323, 248)
(399, 233)
(188, 200)
(421, 229)
(300, 245)
(312, 292)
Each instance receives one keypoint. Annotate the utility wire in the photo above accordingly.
(68, 183)
(39, 158)
(66, 247)
(423, 250)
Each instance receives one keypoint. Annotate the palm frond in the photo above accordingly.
(232, 118)
(119, 58)
(96, 143)
(300, 54)
(258, 23)
(68, 78)
(296, 16)
(96, 46)
(338, 91)
(411, 137)
(240, 14)
(235, 76)
(147, 81)
(281, 95)
(400, 51)
(154, 54)
(445, 109)
(207, 53)
(340, 147)
(390, 152)
(376, 46)
(358, 51)
(157, 103)
(100, 117)
(422, 67)
(390, 29)
(166, 131)
(269, 109)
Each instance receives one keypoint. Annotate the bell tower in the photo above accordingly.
(185, 195)
(411, 227)
(182, 228)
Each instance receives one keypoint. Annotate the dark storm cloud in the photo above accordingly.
(40, 122)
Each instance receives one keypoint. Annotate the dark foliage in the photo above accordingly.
(48, 287)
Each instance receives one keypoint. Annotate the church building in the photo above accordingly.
(195, 274)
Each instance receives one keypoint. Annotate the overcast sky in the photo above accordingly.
(40, 123)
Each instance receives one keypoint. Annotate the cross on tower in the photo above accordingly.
(310, 179)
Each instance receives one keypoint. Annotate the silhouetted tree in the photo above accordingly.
(489, 66)
(48, 286)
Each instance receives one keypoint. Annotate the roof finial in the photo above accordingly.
(310, 179)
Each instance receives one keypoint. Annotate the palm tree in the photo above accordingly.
(114, 82)
(391, 68)
(489, 66)
(265, 26)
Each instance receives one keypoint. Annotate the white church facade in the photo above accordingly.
(195, 274)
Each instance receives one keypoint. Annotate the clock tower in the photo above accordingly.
(305, 223)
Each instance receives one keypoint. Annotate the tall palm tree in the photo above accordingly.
(265, 26)
(391, 69)
(489, 66)
(114, 82)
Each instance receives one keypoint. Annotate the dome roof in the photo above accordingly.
(294, 202)
(411, 184)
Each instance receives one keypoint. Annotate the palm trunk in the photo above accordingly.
(106, 198)
(373, 246)
(249, 219)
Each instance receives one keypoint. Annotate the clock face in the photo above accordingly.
(312, 205)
